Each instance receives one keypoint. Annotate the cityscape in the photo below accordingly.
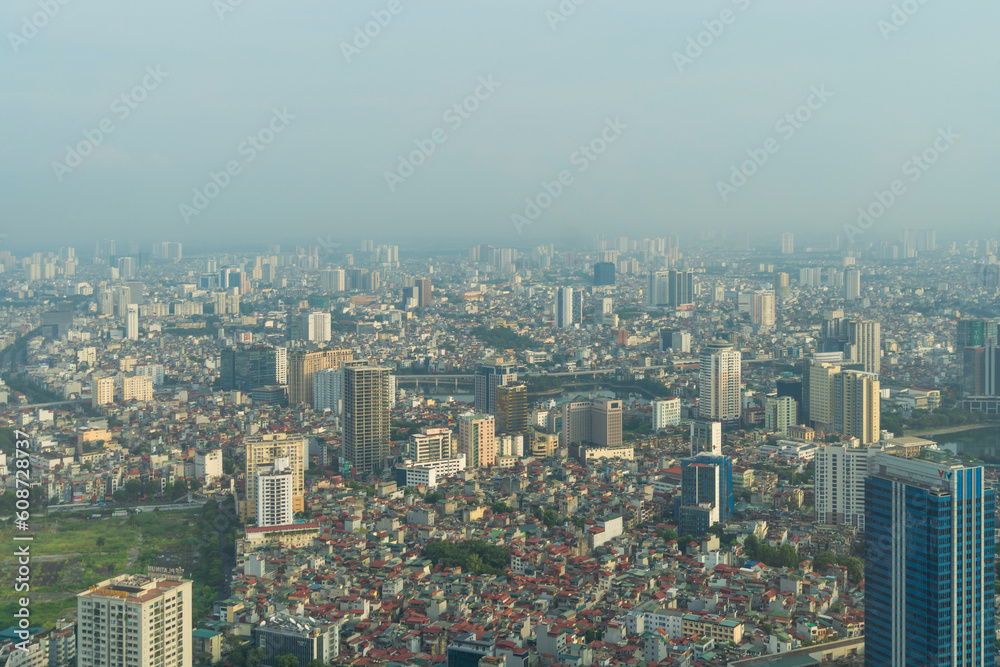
(649, 451)
(533, 333)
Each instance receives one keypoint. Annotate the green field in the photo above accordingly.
(70, 553)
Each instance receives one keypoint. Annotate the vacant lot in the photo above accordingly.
(70, 553)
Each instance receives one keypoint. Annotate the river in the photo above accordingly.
(976, 441)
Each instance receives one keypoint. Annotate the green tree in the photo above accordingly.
(286, 661)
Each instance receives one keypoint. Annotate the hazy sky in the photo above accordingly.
(672, 129)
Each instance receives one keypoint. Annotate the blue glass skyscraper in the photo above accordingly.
(928, 564)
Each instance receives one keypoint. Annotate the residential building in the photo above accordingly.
(135, 621)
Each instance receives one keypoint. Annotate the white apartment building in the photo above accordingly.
(274, 494)
(840, 483)
(666, 412)
(135, 621)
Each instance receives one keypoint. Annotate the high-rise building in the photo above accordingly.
(592, 422)
(312, 327)
(102, 390)
(782, 290)
(819, 377)
(666, 412)
(706, 436)
(706, 492)
(132, 321)
(328, 390)
(331, 280)
(762, 310)
(137, 387)
(719, 382)
(488, 377)
(604, 274)
(135, 620)
(477, 439)
(262, 450)
(366, 417)
(302, 365)
(780, 414)
(431, 444)
(564, 308)
(512, 409)
(971, 332)
(787, 243)
(974, 371)
(865, 341)
(678, 341)
(929, 567)
(839, 488)
(658, 289)
(246, 368)
(852, 284)
(425, 291)
(856, 406)
(681, 293)
(274, 493)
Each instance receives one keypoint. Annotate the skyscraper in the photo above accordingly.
(135, 620)
(592, 422)
(274, 493)
(328, 390)
(425, 290)
(132, 322)
(787, 243)
(247, 368)
(841, 471)
(779, 414)
(974, 371)
(971, 332)
(102, 390)
(366, 417)
(856, 406)
(929, 567)
(865, 340)
(681, 293)
(719, 382)
(477, 439)
(658, 289)
(564, 307)
(262, 451)
(512, 409)
(762, 308)
(706, 492)
(852, 284)
(302, 365)
(490, 375)
(604, 274)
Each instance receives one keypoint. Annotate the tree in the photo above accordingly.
(286, 661)
(100, 541)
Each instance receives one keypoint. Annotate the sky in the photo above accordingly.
(254, 121)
